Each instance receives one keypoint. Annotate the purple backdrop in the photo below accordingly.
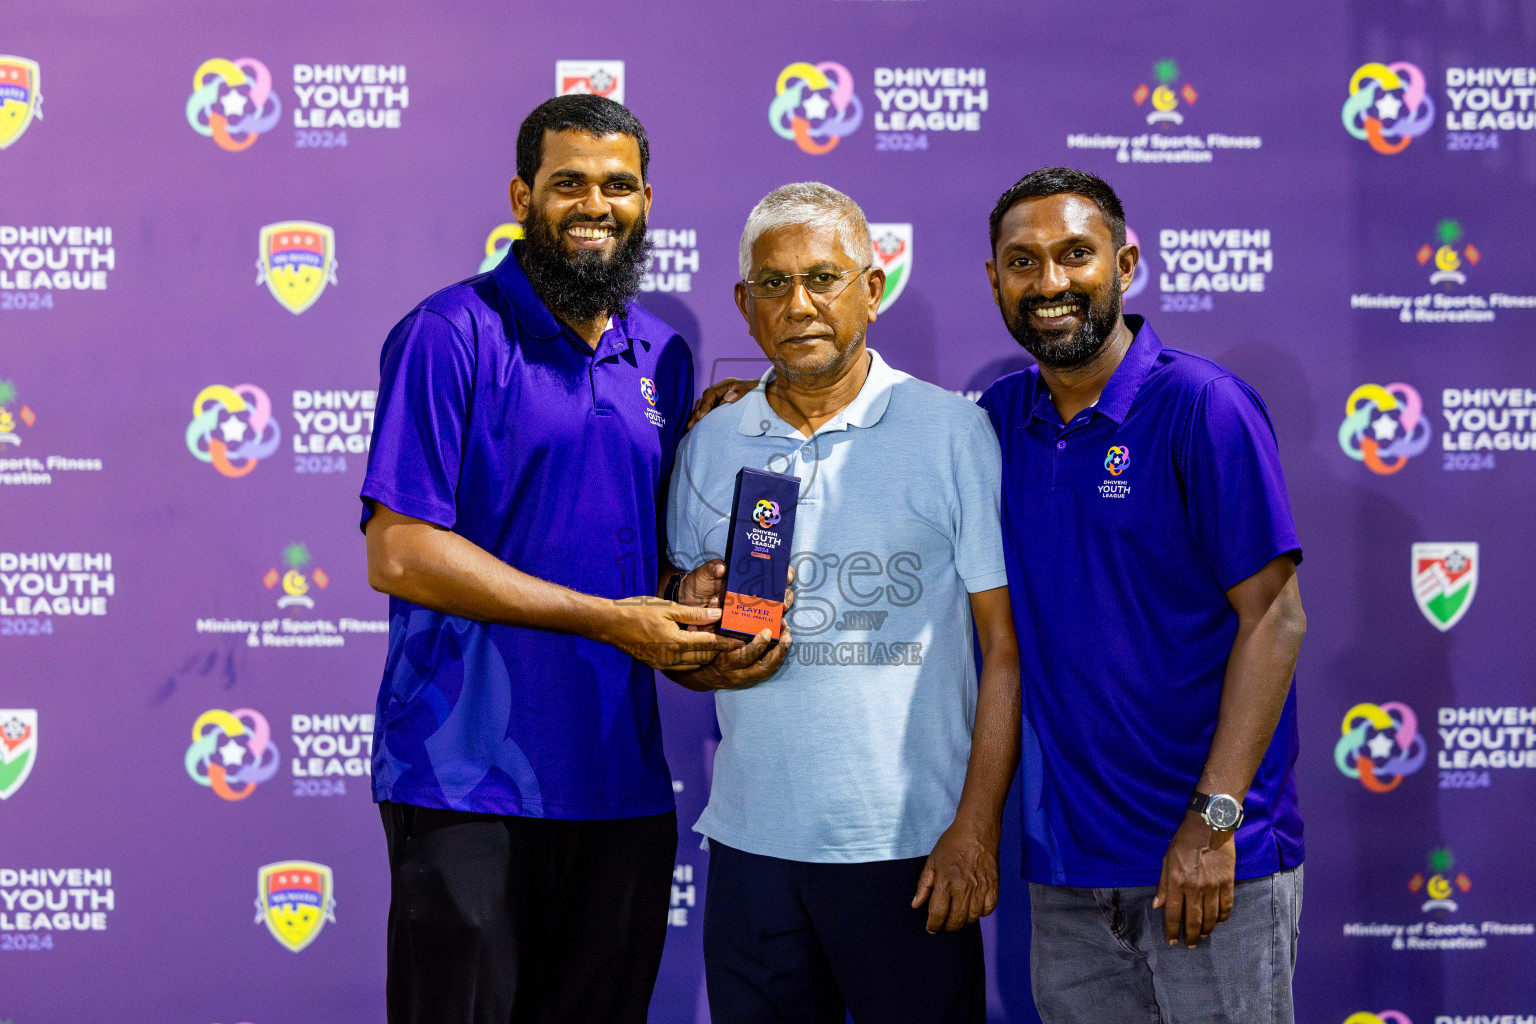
(1332, 199)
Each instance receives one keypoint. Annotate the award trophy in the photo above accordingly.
(757, 553)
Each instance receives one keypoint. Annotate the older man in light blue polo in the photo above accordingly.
(866, 777)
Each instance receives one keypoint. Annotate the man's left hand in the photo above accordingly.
(1197, 882)
(960, 880)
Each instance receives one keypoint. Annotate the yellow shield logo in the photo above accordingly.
(20, 98)
(294, 898)
(297, 260)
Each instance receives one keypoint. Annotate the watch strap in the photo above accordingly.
(674, 587)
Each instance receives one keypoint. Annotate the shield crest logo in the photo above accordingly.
(595, 77)
(20, 98)
(1444, 581)
(297, 260)
(18, 748)
(893, 254)
(294, 898)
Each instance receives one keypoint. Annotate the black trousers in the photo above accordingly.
(787, 942)
(504, 920)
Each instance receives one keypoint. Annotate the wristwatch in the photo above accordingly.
(1222, 812)
(674, 587)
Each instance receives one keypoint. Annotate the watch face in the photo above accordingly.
(1223, 812)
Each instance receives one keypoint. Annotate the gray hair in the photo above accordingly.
(810, 203)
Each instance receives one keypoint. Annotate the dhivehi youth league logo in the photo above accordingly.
(1379, 745)
(1143, 274)
(297, 260)
(497, 243)
(232, 102)
(294, 898)
(1444, 581)
(648, 390)
(232, 752)
(1118, 460)
(892, 244)
(20, 98)
(232, 428)
(1384, 427)
(18, 748)
(1388, 106)
(766, 514)
(1379, 1017)
(814, 105)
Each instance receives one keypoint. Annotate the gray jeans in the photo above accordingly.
(1100, 955)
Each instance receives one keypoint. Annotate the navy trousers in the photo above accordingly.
(787, 942)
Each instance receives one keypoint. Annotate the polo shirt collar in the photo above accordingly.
(866, 409)
(1116, 398)
(531, 312)
(536, 318)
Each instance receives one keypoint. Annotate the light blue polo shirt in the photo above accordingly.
(856, 749)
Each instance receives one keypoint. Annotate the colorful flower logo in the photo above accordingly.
(1143, 268)
(498, 242)
(814, 105)
(648, 389)
(1379, 745)
(231, 749)
(1384, 427)
(232, 428)
(1388, 106)
(1118, 460)
(232, 102)
(766, 514)
(1380, 1017)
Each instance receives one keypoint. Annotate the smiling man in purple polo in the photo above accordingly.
(1153, 560)
(526, 425)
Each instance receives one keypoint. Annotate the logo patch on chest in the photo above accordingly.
(648, 392)
(1116, 462)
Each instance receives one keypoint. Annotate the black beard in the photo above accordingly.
(578, 288)
(1075, 349)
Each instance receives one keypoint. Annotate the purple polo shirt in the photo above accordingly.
(497, 422)
(1122, 531)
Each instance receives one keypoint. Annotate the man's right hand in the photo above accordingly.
(721, 393)
(650, 630)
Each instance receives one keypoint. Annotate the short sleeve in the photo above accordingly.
(675, 374)
(1234, 489)
(989, 403)
(426, 378)
(685, 543)
(976, 520)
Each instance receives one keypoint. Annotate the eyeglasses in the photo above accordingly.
(818, 282)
